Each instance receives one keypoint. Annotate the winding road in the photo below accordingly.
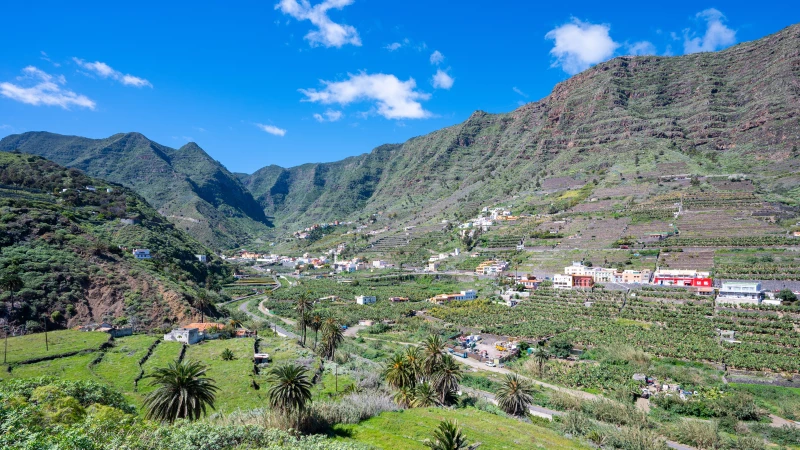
(278, 329)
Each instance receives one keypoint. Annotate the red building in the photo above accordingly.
(702, 282)
(582, 281)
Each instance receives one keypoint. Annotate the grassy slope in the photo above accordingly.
(65, 341)
(407, 429)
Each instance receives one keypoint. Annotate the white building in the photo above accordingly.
(141, 253)
(562, 281)
(201, 258)
(740, 293)
(366, 299)
(184, 335)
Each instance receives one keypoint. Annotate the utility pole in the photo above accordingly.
(46, 344)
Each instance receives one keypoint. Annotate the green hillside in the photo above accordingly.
(73, 253)
(187, 186)
(621, 124)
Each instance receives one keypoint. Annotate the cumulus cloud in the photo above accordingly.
(437, 57)
(103, 70)
(717, 35)
(272, 129)
(641, 48)
(328, 32)
(41, 88)
(441, 80)
(329, 116)
(393, 98)
(579, 45)
(393, 46)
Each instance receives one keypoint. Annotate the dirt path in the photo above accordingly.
(352, 331)
(267, 312)
(280, 331)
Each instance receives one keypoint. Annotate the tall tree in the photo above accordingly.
(182, 392)
(514, 395)
(201, 302)
(332, 337)
(303, 306)
(316, 324)
(446, 377)
(397, 373)
(432, 350)
(447, 436)
(424, 396)
(415, 360)
(11, 283)
(404, 396)
(540, 356)
(291, 389)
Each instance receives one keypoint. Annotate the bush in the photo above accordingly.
(355, 407)
(633, 438)
(576, 424)
(697, 433)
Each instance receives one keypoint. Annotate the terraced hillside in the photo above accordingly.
(625, 124)
(187, 186)
(73, 253)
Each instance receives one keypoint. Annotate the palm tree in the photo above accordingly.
(432, 349)
(10, 283)
(182, 392)
(541, 355)
(303, 306)
(316, 324)
(424, 396)
(446, 377)
(201, 302)
(397, 372)
(332, 336)
(415, 359)
(447, 436)
(404, 397)
(514, 395)
(291, 389)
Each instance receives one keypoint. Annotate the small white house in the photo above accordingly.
(366, 299)
(91, 188)
(184, 335)
(141, 253)
(109, 190)
(201, 258)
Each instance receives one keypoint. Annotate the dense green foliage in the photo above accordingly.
(63, 239)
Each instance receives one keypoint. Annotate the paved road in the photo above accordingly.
(280, 331)
(534, 409)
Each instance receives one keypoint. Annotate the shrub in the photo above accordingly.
(227, 355)
(634, 438)
(355, 407)
(697, 433)
(576, 424)
(565, 402)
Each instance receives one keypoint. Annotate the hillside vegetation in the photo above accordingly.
(186, 185)
(74, 254)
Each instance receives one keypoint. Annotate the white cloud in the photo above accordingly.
(579, 45)
(519, 91)
(441, 80)
(641, 48)
(717, 35)
(44, 91)
(437, 57)
(394, 99)
(272, 129)
(328, 32)
(393, 46)
(105, 71)
(329, 116)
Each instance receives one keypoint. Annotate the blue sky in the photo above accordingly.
(290, 81)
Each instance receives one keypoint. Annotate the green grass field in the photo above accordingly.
(782, 401)
(71, 367)
(120, 365)
(408, 429)
(21, 348)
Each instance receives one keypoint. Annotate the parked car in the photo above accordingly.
(491, 364)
